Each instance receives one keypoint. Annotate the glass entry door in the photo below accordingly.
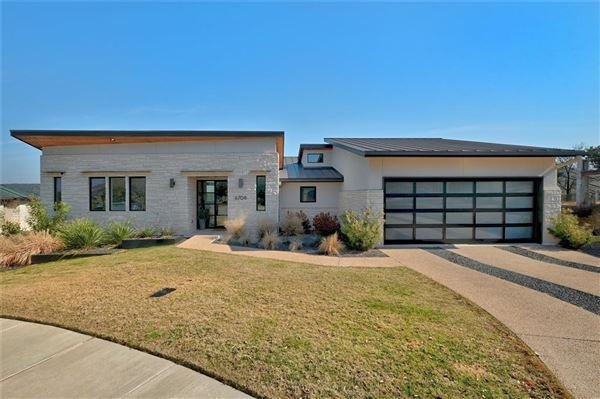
(212, 203)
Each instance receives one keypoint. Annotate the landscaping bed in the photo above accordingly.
(286, 330)
(310, 244)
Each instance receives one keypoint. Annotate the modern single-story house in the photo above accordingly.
(430, 190)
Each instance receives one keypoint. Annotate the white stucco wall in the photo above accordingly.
(159, 162)
(363, 177)
(327, 198)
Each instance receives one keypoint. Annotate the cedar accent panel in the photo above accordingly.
(41, 141)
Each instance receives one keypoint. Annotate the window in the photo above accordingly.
(117, 193)
(308, 194)
(315, 157)
(57, 189)
(261, 193)
(137, 193)
(97, 194)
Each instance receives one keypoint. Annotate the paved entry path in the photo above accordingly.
(553, 308)
(38, 361)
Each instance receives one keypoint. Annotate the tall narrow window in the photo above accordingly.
(117, 193)
(97, 194)
(137, 193)
(261, 193)
(57, 189)
(308, 194)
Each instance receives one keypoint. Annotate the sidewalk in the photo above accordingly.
(39, 361)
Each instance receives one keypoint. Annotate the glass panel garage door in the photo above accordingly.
(461, 210)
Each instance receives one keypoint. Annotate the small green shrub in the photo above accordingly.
(40, 220)
(10, 228)
(567, 229)
(116, 232)
(81, 234)
(166, 232)
(362, 231)
(145, 232)
(291, 225)
(326, 224)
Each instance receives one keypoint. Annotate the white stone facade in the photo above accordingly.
(239, 162)
(173, 207)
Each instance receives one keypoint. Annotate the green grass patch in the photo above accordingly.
(281, 329)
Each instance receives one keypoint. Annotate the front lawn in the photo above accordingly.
(278, 329)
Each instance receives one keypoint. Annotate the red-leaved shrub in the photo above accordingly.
(325, 224)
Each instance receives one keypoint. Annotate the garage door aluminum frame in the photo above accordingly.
(412, 213)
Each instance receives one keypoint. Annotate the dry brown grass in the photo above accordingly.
(292, 225)
(236, 227)
(270, 240)
(331, 245)
(17, 250)
(286, 330)
(265, 225)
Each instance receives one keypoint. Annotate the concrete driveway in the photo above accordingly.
(38, 361)
(553, 308)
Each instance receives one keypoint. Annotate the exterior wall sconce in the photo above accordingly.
(171, 182)
(240, 183)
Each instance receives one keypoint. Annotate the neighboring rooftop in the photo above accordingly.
(438, 147)
(18, 191)
(295, 172)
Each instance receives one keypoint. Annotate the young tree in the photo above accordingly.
(567, 173)
(594, 156)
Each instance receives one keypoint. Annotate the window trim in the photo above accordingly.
(110, 196)
(90, 193)
(264, 193)
(57, 193)
(131, 178)
(305, 187)
(320, 154)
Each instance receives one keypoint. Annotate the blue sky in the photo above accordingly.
(524, 73)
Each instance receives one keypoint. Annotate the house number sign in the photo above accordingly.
(240, 197)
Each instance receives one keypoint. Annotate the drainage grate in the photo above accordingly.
(162, 292)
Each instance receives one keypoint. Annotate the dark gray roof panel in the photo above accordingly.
(438, 147)
(298, 173)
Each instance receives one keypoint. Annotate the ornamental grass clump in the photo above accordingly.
(82, 234)
(270, 241)
(295, 244)
(236, 228)
(362, 231)
(17, 250)
(116, 232)
(291, 225)
(567, 229)
(265, 225)
(331, 245)
(145, 232)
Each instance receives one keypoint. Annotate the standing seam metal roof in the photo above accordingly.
(374, 147)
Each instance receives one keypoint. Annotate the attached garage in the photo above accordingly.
(462, 210)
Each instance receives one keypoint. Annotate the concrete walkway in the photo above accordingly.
(38, 361)
(565, 336)
(205, 243)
